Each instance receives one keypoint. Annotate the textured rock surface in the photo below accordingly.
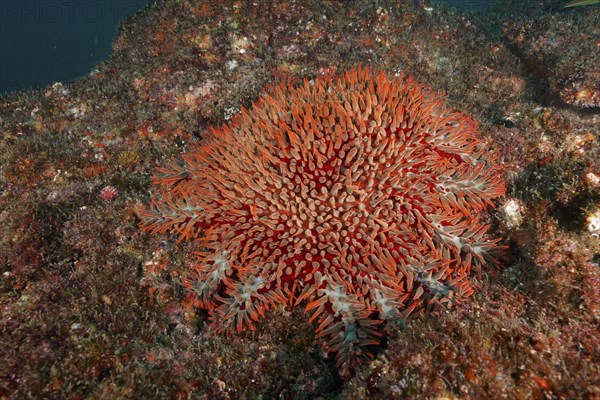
(563, 51)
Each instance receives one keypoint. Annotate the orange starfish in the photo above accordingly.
(357, 194)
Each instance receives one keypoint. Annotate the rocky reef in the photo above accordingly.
(93, 307)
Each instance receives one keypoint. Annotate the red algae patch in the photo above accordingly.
(357, 195)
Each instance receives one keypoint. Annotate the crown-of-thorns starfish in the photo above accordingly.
(357, 194)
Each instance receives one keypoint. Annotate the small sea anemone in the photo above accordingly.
(109, 193)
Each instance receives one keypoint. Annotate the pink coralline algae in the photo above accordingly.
(357, 195)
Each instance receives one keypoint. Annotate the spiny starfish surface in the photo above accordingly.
(357, 195)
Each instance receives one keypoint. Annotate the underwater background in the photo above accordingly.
(92, 306)
(45, 41)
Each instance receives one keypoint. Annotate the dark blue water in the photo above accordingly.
(472, 5)
(46, 41)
